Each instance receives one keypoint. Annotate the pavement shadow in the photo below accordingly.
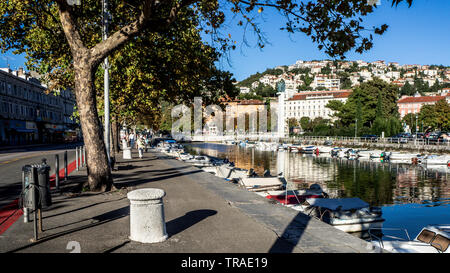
(120, 184)
(125, 161)
(78, 209)
(102, 219)
(9, 193)
(291, 234)
(184, 222)
(128, 167)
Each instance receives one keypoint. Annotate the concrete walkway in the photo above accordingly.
(204, 214)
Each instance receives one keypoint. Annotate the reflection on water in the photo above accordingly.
(411, 196)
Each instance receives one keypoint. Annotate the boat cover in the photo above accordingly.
(261, 183)
(334, 203)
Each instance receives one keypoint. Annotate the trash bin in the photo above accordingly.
(45, 197)
(147, 221)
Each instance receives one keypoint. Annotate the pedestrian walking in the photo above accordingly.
(140, 145)
(146, 142)
(131, 137)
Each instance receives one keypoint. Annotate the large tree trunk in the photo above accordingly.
(98, 169)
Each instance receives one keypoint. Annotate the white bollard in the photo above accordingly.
(127, 153)
(147, 223)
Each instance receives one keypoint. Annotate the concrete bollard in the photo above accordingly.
(147, 222)
(127, 153)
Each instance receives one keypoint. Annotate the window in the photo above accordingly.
(440, 242)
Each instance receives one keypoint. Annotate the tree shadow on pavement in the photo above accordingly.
(102, 219)
(120, 184)
(184, 222)
(291, 235)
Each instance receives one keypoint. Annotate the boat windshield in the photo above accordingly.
(441, 243)
(426, 236)
(437, 241)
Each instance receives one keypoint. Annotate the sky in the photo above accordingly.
(416, 35)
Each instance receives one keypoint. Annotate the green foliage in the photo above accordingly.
(369, 95)
(410, 120)
(265, 91)
(436, 116)
(407, 90)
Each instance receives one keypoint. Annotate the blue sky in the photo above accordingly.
(416, 35)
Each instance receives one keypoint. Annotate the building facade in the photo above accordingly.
(412, 105)
(311, 104)
(28, 115)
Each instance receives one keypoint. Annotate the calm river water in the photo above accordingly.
(410, 196)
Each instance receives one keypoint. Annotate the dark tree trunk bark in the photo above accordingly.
(98, 169)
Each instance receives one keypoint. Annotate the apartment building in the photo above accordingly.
(28, 114)
(313, 104)
(407, 105)
(331, 82)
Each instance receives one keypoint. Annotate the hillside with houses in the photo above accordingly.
(336, 75)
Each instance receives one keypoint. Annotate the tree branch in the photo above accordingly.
(69, 27)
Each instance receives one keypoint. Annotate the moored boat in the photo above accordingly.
(436, 160)
(431, 239)
(346, 214)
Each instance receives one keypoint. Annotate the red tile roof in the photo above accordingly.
(421, 99)
(335, 94)
(251, 102)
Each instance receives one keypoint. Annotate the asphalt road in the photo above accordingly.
(12, 161)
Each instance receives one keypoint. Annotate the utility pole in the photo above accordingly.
(416, 124)
(106, 82)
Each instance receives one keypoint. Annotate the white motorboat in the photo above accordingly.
(229, 172)
(293, 197)
(436, 160)
(401, 157)
(200, 161)
(261, 183)
(352, 154)
(346, 214)
(266, 146)
(325, 149)
(376, 154)
(431, 239)
(335, 152)
(295, 148)
(364, 153)
(308, 149)
(185, 156)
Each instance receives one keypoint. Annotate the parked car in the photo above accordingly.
(371, 138)
(401, 138)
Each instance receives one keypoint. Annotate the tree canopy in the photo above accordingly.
(64, 42)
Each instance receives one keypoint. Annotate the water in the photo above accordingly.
(410, 196)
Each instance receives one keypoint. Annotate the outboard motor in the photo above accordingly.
(267, 173)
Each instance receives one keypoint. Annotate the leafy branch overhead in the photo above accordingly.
(64, 43)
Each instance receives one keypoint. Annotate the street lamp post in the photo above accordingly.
(416, 124)
(106, 82)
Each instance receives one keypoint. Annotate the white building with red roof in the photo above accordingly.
(313, 104)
